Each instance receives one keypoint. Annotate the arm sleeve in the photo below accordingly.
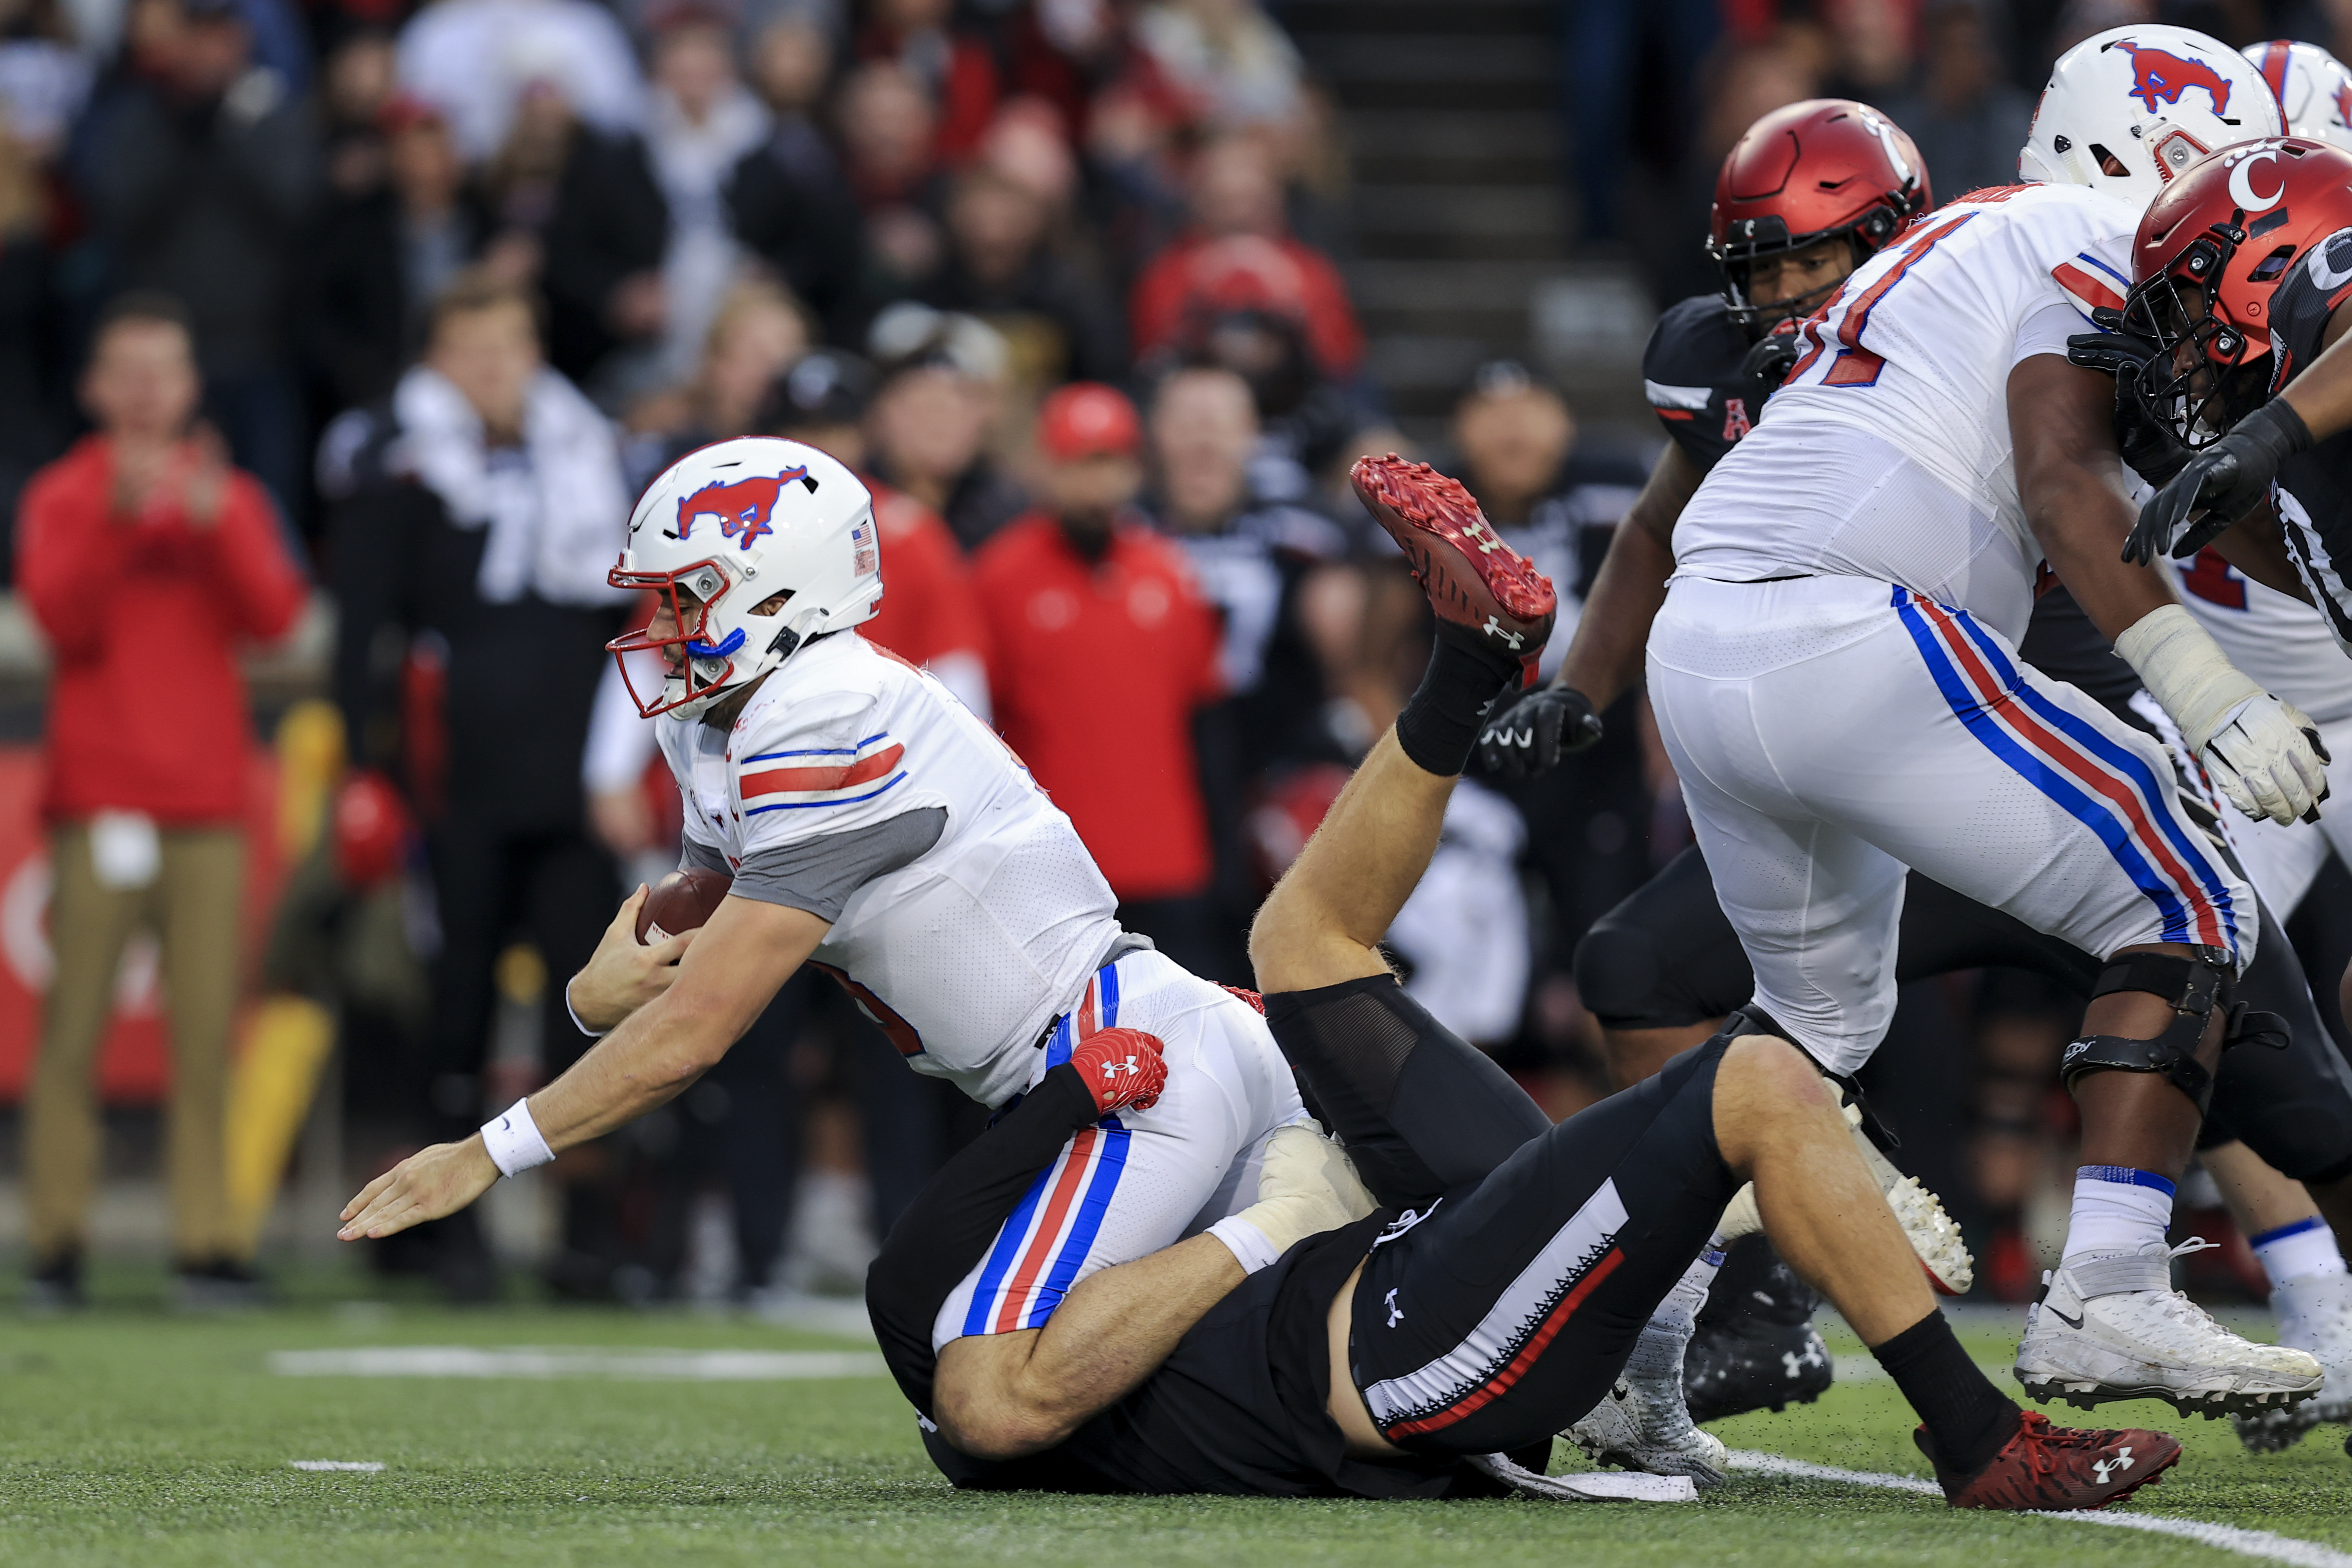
(2046, 328)
(257, 575)
(946, 1231)
(819, 874)
(63, 544)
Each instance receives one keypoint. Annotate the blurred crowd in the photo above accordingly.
(415, 302)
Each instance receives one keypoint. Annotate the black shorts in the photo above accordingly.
(1503, 1313)
(1667, 957)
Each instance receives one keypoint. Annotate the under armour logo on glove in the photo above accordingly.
(1122, 1069)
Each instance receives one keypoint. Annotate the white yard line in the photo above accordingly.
(537, 1362)
(2259, 1544)
(366, 1467)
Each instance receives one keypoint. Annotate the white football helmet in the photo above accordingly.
(2315, 90)
(724, 529)
(2128, 109)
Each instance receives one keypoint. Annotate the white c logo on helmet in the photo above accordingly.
(2242, 187)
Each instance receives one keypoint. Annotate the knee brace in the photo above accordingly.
(2194, 987)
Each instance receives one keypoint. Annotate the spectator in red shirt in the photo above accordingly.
(1100, 650)
(1239, 256)
(930, 614)
(147, 560)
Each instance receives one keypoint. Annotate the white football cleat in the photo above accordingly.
(1933, 1236)
(2114, 1328)
(2315, 1314)
(1643, 1425)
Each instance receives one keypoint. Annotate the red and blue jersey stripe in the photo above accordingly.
(818, 776)
(2101, 782)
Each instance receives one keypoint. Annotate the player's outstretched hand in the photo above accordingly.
(1531, 735)
(1122, 1069)
(2221, 484)
(2268, 761)
(429, 1185)
(621, 976)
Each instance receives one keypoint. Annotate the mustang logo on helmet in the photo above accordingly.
(2160, 75)
(741, 505)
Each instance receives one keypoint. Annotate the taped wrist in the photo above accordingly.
(2187, 672)
(2194, 987)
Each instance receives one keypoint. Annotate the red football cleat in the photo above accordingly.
(1122, 1069)
(1473, 580)
(2058, 1468)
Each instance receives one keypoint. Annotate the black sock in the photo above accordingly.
(1968, 1418)
(1441, 721)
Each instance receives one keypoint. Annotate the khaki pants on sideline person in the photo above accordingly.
(192, 904)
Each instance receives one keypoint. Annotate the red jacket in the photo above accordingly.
(147, 711)
(928, 609)
(1095, 671)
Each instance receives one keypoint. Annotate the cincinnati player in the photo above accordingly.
(874, 828)
(1434, 1352)
(1834, 674)
(2241, 387)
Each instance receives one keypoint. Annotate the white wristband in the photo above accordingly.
(1248, 1243)
(514, 1141)
(2187, 673)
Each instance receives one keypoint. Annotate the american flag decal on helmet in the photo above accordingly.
(865, 558)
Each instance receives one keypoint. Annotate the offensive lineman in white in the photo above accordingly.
(876, 828)
(1834, 676)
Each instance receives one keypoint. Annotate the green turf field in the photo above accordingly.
(131, 1438)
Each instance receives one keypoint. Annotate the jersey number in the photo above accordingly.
(1856, 365)
(901, 1033)
(2209, 578)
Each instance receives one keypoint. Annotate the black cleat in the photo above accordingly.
(1756, 1348)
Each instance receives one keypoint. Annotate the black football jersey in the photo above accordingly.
(2316, 487)
(1693, 373)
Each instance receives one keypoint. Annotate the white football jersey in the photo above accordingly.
(1887, 452)
(964, 953)
(2278, 641)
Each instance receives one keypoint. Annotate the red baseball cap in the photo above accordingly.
(1087, 419)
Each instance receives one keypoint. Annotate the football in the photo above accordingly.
(680, 903)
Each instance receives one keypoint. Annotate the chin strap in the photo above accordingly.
(2194, 987)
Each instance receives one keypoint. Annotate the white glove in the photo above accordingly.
(2262, 753)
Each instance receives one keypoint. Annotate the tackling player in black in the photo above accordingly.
(1434, 1348)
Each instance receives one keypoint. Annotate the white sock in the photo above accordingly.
(2116, 1210)
(2298, 1251)
(1659, 1352)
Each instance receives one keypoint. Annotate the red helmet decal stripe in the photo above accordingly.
(2276, 55)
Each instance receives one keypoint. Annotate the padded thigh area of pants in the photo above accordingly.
(1420, 1109)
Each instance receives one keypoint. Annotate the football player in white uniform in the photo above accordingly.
(1834, 676)
(872, 826)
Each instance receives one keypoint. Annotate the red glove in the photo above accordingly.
(1251, 997)
(1121, 1069)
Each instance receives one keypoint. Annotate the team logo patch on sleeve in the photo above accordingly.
(820, 776)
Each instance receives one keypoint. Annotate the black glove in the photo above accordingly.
(1531, 735)
(2221, 484)
(2146, 442)
(1767, 364)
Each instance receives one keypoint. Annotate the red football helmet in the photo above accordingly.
(1802, 174)
(2210, 254)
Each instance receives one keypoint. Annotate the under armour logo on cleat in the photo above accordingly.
(1796, 1362)
(2104, 1468)
(1495, 629)
(1396, 1315)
